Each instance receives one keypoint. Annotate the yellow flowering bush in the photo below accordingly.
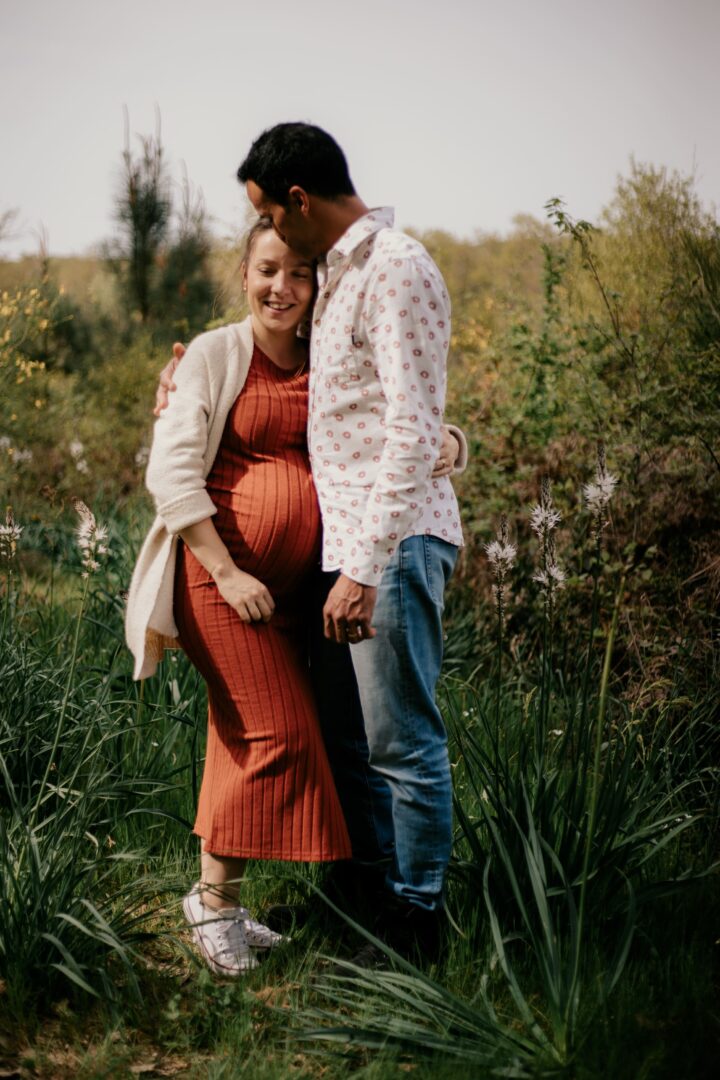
(25, 316)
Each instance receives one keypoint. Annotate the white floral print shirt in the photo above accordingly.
(381, 328)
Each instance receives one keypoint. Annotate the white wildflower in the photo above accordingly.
(20, 457)
(10, 533)
(544, 519)
(501, 555)
(5, 443)
(142, 456)
(552, 578)
(599, 493)
(77, 451)
(91, 538)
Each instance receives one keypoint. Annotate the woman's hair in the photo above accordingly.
(261, 225)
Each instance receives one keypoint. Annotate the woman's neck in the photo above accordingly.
(284, 348)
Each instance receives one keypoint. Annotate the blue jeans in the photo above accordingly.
(394, 778)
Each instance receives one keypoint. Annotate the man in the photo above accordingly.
(391, 533)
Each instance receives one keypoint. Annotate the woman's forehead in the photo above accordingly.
(268, 245)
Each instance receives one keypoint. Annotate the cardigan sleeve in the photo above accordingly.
(176, 469)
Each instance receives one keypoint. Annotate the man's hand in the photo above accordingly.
(447, 456)
(166, 384)
(348, 611)
(243, 592)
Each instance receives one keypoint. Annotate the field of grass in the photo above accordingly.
(583, 898)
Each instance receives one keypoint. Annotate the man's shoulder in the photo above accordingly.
(397, 249)
(392, 243)
(397, 255)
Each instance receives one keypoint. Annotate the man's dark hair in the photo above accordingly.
(301, 154)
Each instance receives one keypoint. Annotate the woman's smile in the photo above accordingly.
(279, 284)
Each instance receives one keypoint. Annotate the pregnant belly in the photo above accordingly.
(270, 522)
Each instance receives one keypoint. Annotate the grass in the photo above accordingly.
(582, 889)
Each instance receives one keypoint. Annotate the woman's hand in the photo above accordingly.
(244, 593)
(166, 384)
(448, 455)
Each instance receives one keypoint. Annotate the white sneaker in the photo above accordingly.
(227, 937)
(219, 935)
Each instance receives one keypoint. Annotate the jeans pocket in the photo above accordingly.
(440, 559)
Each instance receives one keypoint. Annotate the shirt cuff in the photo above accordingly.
(367, 569)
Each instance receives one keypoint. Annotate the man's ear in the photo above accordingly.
(299, 199)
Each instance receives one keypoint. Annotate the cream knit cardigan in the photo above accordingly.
(185, 442)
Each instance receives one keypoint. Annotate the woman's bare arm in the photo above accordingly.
(243, 592)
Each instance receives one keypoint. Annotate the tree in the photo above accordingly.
(143, 213)
(163, 270)
(185, 288)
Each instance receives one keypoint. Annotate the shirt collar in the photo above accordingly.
(380, 217)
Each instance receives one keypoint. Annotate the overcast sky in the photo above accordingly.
(460, 113)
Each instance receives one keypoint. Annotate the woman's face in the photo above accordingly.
(279, 284)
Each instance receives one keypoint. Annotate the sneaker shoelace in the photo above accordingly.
(234, 949)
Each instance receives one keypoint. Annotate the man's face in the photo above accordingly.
(292, 223)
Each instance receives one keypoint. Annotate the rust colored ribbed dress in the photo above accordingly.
(267, 791)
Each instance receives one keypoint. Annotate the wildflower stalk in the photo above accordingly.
(10, 533)
(501, 555)
(6, 605)
(595, 786)
(597, 497)
(544, 519)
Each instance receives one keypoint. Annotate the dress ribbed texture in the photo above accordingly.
(267, 791)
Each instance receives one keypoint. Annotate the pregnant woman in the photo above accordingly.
(223, 571)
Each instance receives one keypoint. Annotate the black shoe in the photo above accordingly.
(369, 957)
(414, 933)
